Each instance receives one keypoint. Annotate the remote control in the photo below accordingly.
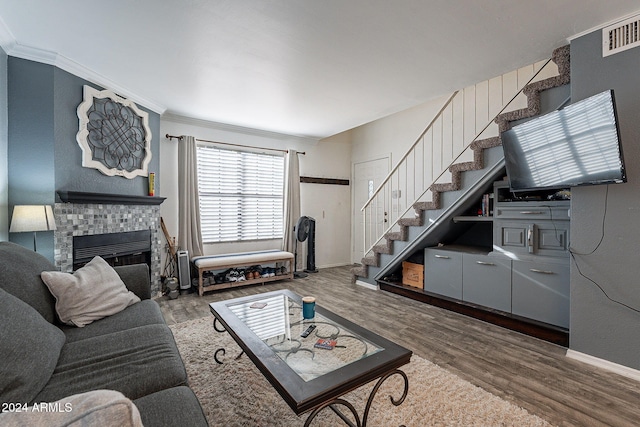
(308, 331)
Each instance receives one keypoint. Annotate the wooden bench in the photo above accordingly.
(241, 259)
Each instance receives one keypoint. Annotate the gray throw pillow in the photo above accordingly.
(90, 293)
(29, 350)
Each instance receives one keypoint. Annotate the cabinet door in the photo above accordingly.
(511, 236)
(486, 281)
(551, 238)
(546, 238)
(443, 272)
(541, 291)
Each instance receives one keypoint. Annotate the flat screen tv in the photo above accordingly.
(577, 145)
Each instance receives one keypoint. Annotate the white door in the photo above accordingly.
(367, 176)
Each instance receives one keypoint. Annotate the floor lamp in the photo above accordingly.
(32, 218)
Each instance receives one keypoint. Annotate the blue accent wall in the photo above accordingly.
(4, 174)
(43, 154)
(604, 219)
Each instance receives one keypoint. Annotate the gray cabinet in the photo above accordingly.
(486, 280)
(544, 238)
(539, 227)
(540, 291)
(526, 274)
(443, 272)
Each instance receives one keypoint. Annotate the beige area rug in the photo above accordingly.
(237, 394)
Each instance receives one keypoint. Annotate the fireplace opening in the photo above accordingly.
(131, 247)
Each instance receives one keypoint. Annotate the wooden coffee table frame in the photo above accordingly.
(325, 390)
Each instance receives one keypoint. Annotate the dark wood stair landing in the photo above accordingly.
(523, 325)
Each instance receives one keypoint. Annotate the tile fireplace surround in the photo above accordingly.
(82, 219)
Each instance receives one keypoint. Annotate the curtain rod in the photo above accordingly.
(234, 145)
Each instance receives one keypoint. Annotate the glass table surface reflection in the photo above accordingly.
(277, 321)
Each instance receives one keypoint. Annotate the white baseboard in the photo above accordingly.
(366, 285)
(604, 364)
(340, 264)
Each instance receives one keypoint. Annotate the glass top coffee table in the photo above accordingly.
(312, 372)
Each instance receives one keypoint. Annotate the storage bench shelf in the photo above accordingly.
(241, 259)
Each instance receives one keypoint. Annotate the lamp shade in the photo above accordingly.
(32, 218)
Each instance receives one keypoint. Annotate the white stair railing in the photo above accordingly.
(467, 116)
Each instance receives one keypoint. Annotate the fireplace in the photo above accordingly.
(92, 215)
(126, 248)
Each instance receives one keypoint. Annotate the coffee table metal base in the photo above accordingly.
(221, 350)
(333, 404)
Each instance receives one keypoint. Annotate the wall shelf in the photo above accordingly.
(106, 198)
(468, 218)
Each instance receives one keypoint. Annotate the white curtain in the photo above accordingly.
(189, 232)
(291, 200)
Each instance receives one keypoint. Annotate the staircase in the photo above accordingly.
(431, 218)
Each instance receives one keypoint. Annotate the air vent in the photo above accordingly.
(621, 36)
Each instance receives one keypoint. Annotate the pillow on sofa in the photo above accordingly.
(90, 293)
(29, 350)
(94, 408)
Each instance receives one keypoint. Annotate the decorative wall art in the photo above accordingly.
(114, 134)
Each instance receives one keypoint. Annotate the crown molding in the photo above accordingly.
(601, 26)
(176, 118)
(15, 49)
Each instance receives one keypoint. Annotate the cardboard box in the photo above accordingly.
(413, 274)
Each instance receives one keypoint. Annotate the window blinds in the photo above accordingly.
(241, 195)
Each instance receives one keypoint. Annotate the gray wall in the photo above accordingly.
(43, 154)
(601, 327)
(4, 176)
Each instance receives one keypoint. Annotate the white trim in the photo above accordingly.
(337, 264)
(176, 118)
(13, 48)
(625, 371)
(366, 285)
(601, 26)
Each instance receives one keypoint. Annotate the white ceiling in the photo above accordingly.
(301, 67)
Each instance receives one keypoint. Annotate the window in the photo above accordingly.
(241, 195)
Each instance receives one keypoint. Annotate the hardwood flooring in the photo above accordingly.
(526, 371)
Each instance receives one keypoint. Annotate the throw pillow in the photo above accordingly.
(29, 350)
(90, 293)
(94, 408)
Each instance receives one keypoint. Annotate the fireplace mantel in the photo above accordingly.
(105, 198)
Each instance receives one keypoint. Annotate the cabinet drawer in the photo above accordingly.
(541, 291)
(533, 213)
(486, 281)
(443, 272)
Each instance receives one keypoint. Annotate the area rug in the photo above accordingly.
(237, 394)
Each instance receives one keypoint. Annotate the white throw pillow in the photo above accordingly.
(90, 293)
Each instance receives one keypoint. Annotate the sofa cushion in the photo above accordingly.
(90, 293)
(95, 408)
(29, 350)
(20, 276)
(146, 312)
(177, 406)
(135, 362)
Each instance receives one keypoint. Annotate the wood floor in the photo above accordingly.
(528, 372)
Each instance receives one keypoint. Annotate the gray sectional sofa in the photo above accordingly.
(132, 352)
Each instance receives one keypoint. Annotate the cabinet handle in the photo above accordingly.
(484, 263)
(531, 212)
(535, 270)
(442, 256)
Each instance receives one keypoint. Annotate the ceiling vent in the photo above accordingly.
(621, 36)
